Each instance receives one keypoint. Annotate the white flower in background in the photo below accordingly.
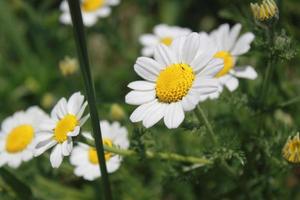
(84, 157)
(162, 33)
(17, 135)
(174, 80)
(230, 46)
(65, 122)
(91, 11)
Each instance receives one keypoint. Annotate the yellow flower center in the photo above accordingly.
(19, 138)
(167, 41)
(64, 126)
(174, 82)
(93, 153)
(92, 5)
(228, 62)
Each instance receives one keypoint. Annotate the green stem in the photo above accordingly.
(270, 66)
(79, 34)
(290, 102)
(201, 116)
(160, 155)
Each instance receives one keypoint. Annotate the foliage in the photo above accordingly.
(250, 133)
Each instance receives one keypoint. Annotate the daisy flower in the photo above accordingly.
(162, 33)
(91, 11)
(174, 80)
(17, 135)
(230, 46)
(84, 157)
(65, 122)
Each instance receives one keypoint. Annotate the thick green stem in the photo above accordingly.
(160, 155)
(90, 91)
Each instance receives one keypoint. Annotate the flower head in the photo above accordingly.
(229, 47)
(174, 80)
(264, 11)
(162, 34)
(17, 136)
(65, 122)
(84, 157)
(68, 66)
(291, 149)
(91, 11)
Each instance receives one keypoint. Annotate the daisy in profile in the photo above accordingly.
(230, 46)
(65, 122)
(162, 34)
(17, 135)
(84, 157)
(174, 80)
(91, 11)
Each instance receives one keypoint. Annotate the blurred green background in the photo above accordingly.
(33, 42)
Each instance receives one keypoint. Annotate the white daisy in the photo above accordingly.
(17, 135)
(65, 122)
(91, 11)
(174, 80)
(230, 45)
(162, 33)
(84, 157)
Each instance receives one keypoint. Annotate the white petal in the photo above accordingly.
(245, 72)
(164, 55)
(174, 115)
(81, 111)
(60, 109)
(56, 156)
(141, 85)
(84, 119)
(75, 102)
(103, 12)
(66, 147)
(154, 114)
(149, 40)
(89, 19)
(212, 68)
(234, 33)
(148, 51)
(75, 132)
(191, 47)
(43, 146)
(189, 102)
(141, 111)
(243, 44)
(139, 97)
(232, 84)
(147, 68)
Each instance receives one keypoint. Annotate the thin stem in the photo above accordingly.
(270, 66)
(290, 102)
(160, 155)
(79, 34)
(201, 116)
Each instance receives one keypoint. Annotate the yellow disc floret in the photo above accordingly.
(174, 82)
(92, 5)
(291, 150)
(64, 126)
(166, 40)
(19, 138)
(228, 62)
(93, 158)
